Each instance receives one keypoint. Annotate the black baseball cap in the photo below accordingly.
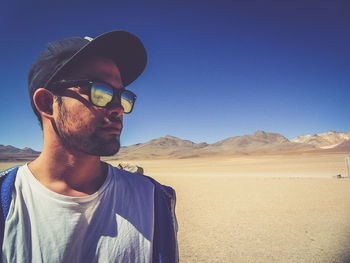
(122, 47)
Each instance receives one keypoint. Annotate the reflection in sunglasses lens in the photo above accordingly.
(127, 101)
(101, 94)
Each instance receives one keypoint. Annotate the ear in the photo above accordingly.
(43, 100)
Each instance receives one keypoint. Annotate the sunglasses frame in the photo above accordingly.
(64, 84)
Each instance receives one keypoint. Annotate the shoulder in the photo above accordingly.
(7, 177)
(139, 179)
(168, 191)
(128, 176)
(7, 171)
(7, 180)
(132, 183)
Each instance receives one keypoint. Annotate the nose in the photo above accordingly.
(115, 109)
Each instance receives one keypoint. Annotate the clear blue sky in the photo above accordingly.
(216, 69)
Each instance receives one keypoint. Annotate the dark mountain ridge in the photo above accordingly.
(169, 146)
(10, 153)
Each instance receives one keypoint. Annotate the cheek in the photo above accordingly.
(79, 117)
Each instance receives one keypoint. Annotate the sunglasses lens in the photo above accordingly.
(101, 94)
(127, 101)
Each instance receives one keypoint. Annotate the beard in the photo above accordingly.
(92, 144)
(84, 138)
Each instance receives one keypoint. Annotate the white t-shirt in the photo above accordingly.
(115, 224)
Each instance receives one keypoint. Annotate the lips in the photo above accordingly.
(116, 129)
(112, 127)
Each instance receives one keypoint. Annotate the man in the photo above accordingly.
(67, 205)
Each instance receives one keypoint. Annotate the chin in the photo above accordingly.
(100, 147)
(107, 149)
(94, 144)
(109, 152)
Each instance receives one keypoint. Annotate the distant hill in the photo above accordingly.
(344, 146)
(168, 146)
(324, 140)
(172, 147)
(10, 153)
(259, 142)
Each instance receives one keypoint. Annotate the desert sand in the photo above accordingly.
(268, 208)
(281, 165)
(279, 208)
(237, 219)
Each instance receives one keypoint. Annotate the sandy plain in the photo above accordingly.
(269, 208)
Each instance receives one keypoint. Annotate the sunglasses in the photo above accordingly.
(101, 94)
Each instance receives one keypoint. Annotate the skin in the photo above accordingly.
(77, 133)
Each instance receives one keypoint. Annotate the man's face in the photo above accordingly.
(82, 126)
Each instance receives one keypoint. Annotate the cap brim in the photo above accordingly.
(124, 48)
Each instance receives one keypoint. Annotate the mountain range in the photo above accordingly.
(10, 153)
(259, 142)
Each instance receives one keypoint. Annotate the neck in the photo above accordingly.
(68, 173)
